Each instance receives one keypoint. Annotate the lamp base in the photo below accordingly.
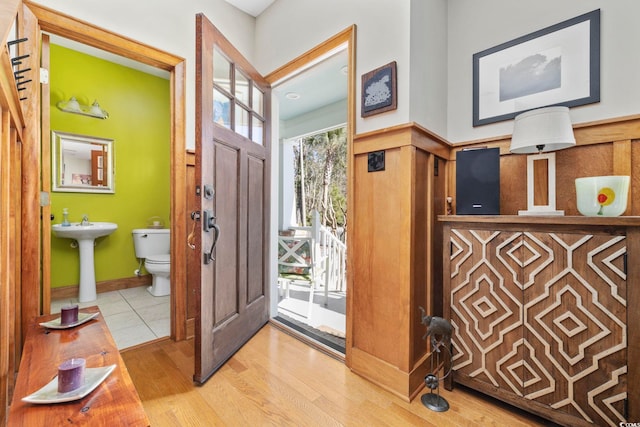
(541, 213)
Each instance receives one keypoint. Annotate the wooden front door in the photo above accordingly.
(232, 171)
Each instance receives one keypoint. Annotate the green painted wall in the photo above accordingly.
(139, 123)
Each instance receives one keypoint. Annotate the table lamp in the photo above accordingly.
(542, 131)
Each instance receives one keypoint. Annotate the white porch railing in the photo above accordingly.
(334, 255)
(331, 253)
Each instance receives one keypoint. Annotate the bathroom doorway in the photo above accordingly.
(52, 23)
(133, 315)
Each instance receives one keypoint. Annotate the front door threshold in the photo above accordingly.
(331, 345)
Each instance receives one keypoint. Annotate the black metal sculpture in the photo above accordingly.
(436, 327)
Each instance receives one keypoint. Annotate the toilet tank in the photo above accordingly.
(151, 241)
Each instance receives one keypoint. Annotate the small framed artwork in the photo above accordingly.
(558, 65)
(379, 89)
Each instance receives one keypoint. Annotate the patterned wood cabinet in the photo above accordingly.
(540, 316)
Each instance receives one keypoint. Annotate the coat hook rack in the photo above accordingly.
(18, 74)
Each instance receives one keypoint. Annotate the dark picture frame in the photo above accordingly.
(558, 65)
(379, 88)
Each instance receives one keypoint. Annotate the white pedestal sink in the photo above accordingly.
(85, 235)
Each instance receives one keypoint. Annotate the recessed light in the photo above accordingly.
(292, 95)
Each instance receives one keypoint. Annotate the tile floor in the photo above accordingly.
(133, 316)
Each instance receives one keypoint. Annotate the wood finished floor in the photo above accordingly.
(276, 379)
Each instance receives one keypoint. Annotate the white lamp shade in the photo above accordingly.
(542, 130)
(96, 111)
(72, 105)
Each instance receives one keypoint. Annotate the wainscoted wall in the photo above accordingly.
(394, 256)
(395, 240)
(139, 123)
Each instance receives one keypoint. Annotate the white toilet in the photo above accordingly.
(153, 245)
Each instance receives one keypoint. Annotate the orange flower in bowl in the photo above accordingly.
(606, 196)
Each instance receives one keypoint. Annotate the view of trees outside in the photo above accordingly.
(321, 178)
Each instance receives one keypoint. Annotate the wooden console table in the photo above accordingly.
(114, 402)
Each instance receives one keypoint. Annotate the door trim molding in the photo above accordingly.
(348, 37)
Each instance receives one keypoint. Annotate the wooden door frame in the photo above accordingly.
(74, 29)
(348, 37)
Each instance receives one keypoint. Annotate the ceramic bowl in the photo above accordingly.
(602, 195)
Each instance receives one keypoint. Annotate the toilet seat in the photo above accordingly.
(158, 259)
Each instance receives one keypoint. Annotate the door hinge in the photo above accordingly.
(44, 76)
(44, 199)
(624, 263)
(625, 409)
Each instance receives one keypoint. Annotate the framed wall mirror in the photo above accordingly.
(82, 164)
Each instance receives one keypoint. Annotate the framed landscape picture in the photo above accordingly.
(558, 65)
(379, 89)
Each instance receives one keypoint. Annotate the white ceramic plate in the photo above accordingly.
(57, 323)
(49, 393)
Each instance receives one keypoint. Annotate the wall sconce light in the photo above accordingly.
(73, 106)
(541, 131)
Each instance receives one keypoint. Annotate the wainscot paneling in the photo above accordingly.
(608, 147)
(391, 246)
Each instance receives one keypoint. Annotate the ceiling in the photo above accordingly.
(102, 54)
(252, 7)
(320, 85)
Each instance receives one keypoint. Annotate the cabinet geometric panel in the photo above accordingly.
(542, 316)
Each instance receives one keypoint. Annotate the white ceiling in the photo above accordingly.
(320, 85)
(252, 7)
(102, 54)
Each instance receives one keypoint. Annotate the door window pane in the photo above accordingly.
(237, 103)
(242, 88)
(221, 71)
(221, 109)
(242, 121)
(258, 101)
(257, 130)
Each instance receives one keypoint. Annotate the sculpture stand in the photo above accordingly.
(432, 400)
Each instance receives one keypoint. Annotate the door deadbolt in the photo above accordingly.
(209, 192)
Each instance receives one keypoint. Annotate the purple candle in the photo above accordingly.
(71, 375)
(69, 314)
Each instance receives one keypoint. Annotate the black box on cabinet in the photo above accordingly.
(478, 182)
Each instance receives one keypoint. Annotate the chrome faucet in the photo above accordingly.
(85, 220)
